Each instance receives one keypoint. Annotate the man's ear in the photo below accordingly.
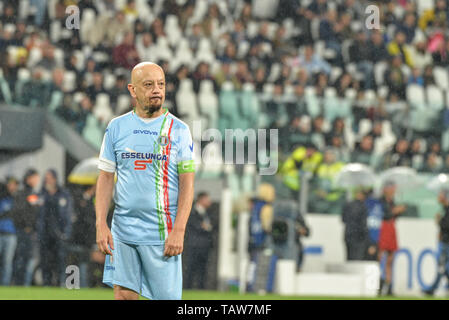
(131, 90)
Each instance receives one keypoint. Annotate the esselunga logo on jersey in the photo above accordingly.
(143, 158)
(144, 155)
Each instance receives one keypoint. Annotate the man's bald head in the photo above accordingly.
(148, 88)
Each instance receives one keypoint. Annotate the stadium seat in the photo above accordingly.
(415, 96)
(423, 5)
(365, 126)
(208, 102)
(93, 132)
(172, 30)
(102, 109)
(228, 102)
(123, 104)
(435, 97)
(109, 81)
(379, 71)
(212, 160)
(382, 92)
(441, 77)
(186, 100)
(35, 55)
(69, 82)
(312, 101)
(200, 10)
(87, 24)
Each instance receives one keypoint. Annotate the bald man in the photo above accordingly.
(151, 151)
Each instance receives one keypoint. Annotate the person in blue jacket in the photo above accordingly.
(8, 237)
(54, 228)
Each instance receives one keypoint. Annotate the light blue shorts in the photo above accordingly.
(145, 270)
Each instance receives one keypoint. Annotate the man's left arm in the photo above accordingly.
(174, 244)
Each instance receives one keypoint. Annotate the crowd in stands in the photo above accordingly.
(319, 75)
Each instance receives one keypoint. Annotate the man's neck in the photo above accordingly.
(145, 115)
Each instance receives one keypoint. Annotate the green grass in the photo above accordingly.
(44, 293)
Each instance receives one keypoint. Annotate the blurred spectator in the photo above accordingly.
(301, 230)
(298, 106)
(242, 73)
(318, 134)
(48, 61)
(196, 36)
(125, 54)
(417, 154)
(346, 81)
(398, 47)
(97, 87)
(56, 90)
(440, 56)
(303, 158)
(341, 150)
(198, 243)
(419, 54)
(399, 156)
(416, 77)
(395, 78)
(297, 133)
(275, 108)
(260, 224)
(354, 216)
(83, 110)
(378, 50)
(312, 62)
(225, 74)
(82, 240)
(120, 88)
(54, 225)
(443, 237)
(433, 163)
(26, 208)
(428, 76)
(35, 92)
(146, 49)
(387, 236)
(259, 79)
(408, 26)
(8, 236)
(435, 17)
(201, 73)
(324, 197)
(9, 14)
(363, 151)
(360, 53)
(330, 31)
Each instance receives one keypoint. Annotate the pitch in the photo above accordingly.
(45, 293)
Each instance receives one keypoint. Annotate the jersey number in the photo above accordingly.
(141, 164)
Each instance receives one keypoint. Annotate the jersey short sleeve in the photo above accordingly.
(185, 155)
(107, 155)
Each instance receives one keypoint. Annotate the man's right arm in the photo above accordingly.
(105, 186)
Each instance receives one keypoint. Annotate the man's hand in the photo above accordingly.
(174, 244)
(104, 239)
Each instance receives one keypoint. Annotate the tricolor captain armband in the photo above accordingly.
(186, 166)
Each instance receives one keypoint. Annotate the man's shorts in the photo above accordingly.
(145, 270)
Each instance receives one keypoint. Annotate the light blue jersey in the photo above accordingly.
(148, 158)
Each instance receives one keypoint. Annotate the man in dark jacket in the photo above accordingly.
(83, 240)
(443, 261)
(26, 208)
(54, 227)
(8, 237)
(197, 243)
(354, 217)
